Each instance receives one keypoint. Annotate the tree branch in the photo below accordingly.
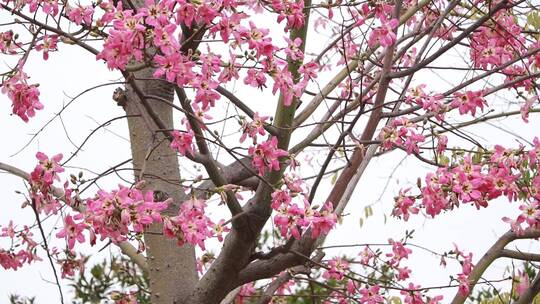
(491, 255)
(124, 246)
(519, 255)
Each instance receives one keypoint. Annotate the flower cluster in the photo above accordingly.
(479, 179)
(466, 267)
(265, 156)
(291, 11)
(401, 133)
(468, 102)
(337, 268)
(69, 263)
(253, 128)
(126, 40)
(47, 44)
(182, 142)
(117, 213)
(429, 102)
(292, 219)
(375, 262)
(23, 247)
(81, 14)
(24, 97)
(7, 42)
(41, 182)
(384, 34)
(496, 42)
(191, 225)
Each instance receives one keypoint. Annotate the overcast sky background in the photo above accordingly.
(72, 71)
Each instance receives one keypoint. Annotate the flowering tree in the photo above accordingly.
(346, 79)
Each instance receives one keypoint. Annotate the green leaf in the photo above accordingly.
(368, 211)
(533, 19)
(334, 178)
(443, 160)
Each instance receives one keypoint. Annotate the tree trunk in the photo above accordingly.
(172, 269)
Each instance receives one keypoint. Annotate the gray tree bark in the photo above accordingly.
(172, 269)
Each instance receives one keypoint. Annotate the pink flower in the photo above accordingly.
(399, 252)
(182, 142)
(41, 180)
(165, 40)
(8, 231)
(371, 295)
(464, 287)
(292, 11)
(466, 266)
(266, 155)
(80, 14)
(254, 127)
(24, 97)
(294, 183)
(526, 107)
(70, 264)
(412, 296)
(7, 42)
(256, 40)
(48, 169)
(336, 269)
(49, 7)
(245, 292)
(219, 229)
(230, 71)
(515, 225)
(293, 50)
(156, 14)
(467, 189)
(434, 300)
(283, 81)
(412, 139)
(255, 78)
(72, 231)
(205, 92)
(366, 255)
(323, 221)
(530, 213)
(384, 35)
(442, 141)
(404, 205)
(403, 273)
(289, 220)
(309, 70)
(191, 225)
(280, 198)
(47, 44)
(468, 102)
(169, 66)
(521, 282)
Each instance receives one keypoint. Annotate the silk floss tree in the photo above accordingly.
(250, 125)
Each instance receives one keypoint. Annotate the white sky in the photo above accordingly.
(70, 72)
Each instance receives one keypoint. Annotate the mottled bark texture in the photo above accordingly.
(172, 269)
